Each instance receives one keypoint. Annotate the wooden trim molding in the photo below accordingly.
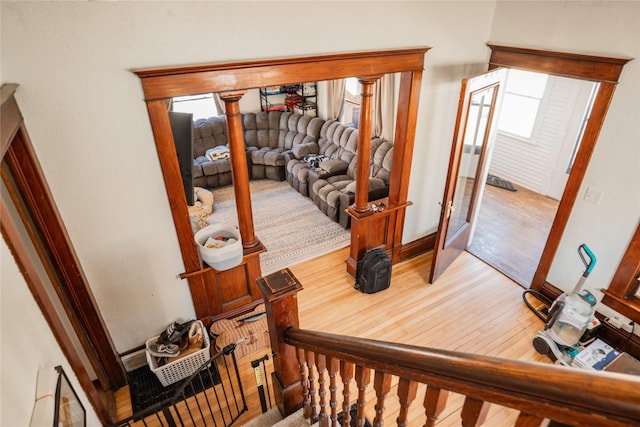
(419, 246)
(163, 83)
(606, 71)
(621, 295)
(588, 67)
(20, 169)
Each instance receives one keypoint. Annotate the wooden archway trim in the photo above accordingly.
(207, 286)
(606, 71)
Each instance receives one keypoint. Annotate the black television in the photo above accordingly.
(182, 129)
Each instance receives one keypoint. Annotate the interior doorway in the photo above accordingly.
(540, 126)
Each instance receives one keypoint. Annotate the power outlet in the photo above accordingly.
(593, 196)
(620, 323)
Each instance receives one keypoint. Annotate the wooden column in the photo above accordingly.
(360, 208)
(280, 291)
(361, 205)
(239, 168)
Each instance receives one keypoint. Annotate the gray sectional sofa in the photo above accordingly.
(317, 157)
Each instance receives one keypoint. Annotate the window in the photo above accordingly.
(201, 106)
(351, 108)
(523, 93)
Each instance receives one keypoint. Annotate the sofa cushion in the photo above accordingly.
(209, 133)
(215, 167)
(334, 165)
(374, 184)
(304, 149)
(267, 157)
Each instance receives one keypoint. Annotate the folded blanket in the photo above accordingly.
(217, 153)
(314, 159)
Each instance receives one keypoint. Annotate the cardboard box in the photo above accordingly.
(624, 364)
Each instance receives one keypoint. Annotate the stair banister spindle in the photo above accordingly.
(346, 373)
(321, 365)
(334, 367)
(435, 400)
(528, 420)
(382, 385)
(407, 390)
(363, 376)
(311, 372)
(304, 381)
(474, 412)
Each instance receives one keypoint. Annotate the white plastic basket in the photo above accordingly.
(172, 372)
(222, 258)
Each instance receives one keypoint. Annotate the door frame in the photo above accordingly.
(30, 194)
(604, 70)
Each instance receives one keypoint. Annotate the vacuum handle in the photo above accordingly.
(588, 258)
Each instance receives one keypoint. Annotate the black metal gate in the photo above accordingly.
(212, 396)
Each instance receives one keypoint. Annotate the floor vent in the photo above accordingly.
(133, 361)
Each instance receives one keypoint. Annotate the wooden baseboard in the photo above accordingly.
(418, 247)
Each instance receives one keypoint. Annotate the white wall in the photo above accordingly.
(27, 345)
(597, 28)
(533, 163)
(85, 113)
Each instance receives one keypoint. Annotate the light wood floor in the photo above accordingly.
(471, 308)
(512, 229)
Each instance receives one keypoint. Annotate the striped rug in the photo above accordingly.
(290, 225)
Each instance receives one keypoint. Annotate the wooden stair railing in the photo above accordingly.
(304, 360)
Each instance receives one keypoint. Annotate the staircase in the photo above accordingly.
(320, 373)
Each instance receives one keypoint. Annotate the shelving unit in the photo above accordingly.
(300, 98)
(272, 98)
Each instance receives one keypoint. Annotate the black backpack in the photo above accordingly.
(373, 272)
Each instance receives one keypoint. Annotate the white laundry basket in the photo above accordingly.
(223, 258)
(172, 372)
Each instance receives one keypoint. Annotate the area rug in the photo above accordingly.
(500, 183)
(290, 225)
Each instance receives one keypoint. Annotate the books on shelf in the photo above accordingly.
(595, 356)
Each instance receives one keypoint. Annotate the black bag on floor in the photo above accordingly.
(373, 272)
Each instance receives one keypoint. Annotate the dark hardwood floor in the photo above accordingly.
(511, 231)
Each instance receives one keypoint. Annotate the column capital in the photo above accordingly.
(232, 96)
(368, 80)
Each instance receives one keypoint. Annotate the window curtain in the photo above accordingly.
(383, 108)
(219, 104)
(335, 98)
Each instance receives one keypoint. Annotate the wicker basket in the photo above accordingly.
(179, 369)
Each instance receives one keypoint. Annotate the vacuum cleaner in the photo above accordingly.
(570, 315)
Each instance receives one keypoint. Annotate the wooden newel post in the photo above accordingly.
(280, 291)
